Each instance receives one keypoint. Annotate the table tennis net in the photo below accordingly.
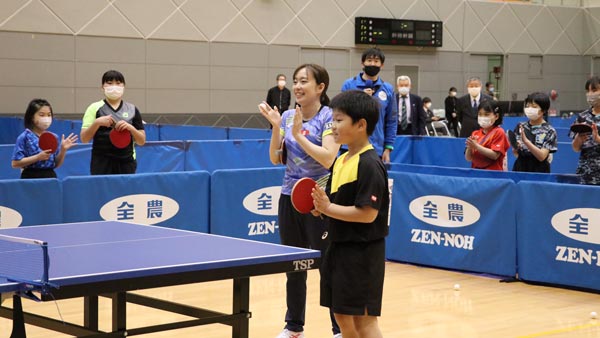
(24, 260)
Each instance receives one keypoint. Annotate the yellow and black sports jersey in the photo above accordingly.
(360, 180)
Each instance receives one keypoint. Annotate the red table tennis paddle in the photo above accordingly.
(120, 139)
(581, 128)
(48, 141)
(301, 195)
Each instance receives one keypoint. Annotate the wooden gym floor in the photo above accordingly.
(418, 302)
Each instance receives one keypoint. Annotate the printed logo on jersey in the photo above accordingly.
(305, 132)
(580, 224)
(125, 114)
(328, 125)
(382, 95)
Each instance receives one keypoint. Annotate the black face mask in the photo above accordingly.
(372, 70)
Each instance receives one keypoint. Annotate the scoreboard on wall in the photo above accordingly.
(397, 32)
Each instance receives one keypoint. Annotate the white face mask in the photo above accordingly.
(281, 83)
(403, 90)
(452, 94)
(44, 122)
(532, 113)
(484, 121)
(427, 105)
(474, 91)
(591, 97)
(114, 92)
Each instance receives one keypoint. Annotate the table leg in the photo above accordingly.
(241, 304)
(18, 330)
(90, 312)
(119, 311)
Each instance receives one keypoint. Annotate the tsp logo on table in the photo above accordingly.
(140, 208)
(445, 212)
(580, 224)
(9, 218)
(264, 202)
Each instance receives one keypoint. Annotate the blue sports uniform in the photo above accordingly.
(27, 144)
(384, 135)
(299, 163)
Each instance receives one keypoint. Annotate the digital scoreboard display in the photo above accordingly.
(380, 31)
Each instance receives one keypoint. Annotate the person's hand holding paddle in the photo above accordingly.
(320, 200)
(43, 155)
(105, 121)
(595, 133)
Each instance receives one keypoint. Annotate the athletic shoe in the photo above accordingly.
(337, 335)
(290, 334)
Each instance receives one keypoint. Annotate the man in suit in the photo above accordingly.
(411, 115)
(450, 105)
(467, 107)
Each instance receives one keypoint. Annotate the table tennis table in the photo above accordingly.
(109, 259)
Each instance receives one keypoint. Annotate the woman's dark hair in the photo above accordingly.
(32, 108)
(452, 89)
(358, 105)
(491, 106)
(539, 98)
(113, 75)
(321, 76)
(426, 100)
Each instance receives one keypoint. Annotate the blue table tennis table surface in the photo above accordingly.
(109, 250)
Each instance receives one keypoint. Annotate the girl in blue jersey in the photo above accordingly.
(311, 150)
(27, 155)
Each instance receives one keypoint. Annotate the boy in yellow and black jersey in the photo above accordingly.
(353, 267)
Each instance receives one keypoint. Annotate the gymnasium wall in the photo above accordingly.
(201, 56)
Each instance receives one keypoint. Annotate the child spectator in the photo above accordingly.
(536, 138)
(487, 146)
(27, 155)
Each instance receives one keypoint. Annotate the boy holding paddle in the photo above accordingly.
(353, 267)
(112, 123)
(36, 149)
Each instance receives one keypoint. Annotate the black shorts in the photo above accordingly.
(38, 173)
(352, 277)
(106, 165)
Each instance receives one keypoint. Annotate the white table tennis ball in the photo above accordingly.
(456, 287)
(593, 315)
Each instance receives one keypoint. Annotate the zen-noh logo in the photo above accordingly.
(444, 211)
(140, 208)
(263, 201)
(9, 218)
(580, 224)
